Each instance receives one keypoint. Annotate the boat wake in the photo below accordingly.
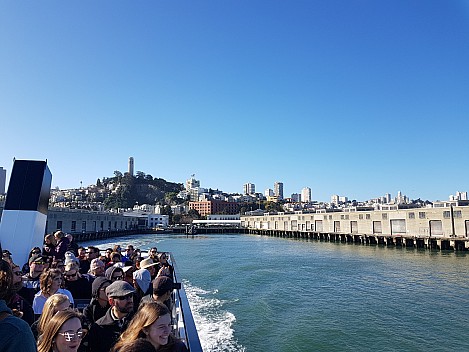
(214, 324)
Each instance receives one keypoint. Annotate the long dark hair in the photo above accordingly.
(6, 280)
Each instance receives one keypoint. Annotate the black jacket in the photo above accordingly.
(105, 332)
(93, 312)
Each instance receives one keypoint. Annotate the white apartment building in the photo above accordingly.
(278, 190)
(192, 183)
(269, 192)
(249, 188)
(306, 195)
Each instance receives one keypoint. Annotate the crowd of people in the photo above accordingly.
(127, 298)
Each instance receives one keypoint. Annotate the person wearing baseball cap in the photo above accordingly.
(105, 332)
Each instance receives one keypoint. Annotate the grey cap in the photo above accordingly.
(119, 288)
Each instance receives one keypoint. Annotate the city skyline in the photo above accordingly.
(352, 98)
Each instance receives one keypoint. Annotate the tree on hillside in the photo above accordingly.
(140, 175)
(118, 174)
(98, 183)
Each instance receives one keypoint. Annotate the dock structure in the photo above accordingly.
(441, 228)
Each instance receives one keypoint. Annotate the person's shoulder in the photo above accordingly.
(179, 346)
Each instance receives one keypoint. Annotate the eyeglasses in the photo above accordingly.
(124, 298)
(120, 277)
(36, 252)
(39, 263)
(70, 275)
(72, 335)
(18, 273)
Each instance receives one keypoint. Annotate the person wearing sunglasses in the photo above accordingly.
(31, 284)
(105, 332)
(79, 286)
(63, 333)
(114, 273)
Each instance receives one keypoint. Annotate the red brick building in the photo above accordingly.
(208, 207)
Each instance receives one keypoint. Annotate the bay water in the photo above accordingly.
(255, 293)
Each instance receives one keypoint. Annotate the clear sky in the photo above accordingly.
(356, 98)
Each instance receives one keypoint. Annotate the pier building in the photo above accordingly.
(76, 221)
(443, 226)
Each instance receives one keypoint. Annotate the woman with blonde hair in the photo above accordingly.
(54, 304)
(153, 323)
(62, 333)
(50, 283)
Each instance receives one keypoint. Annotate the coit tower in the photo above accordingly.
(131, 166)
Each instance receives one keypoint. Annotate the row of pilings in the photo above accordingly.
(431, 243)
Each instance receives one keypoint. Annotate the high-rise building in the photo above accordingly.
(249, 188)
(335, 199)
(387, 197)
(278, 190)
(306, 195)
(295, 197)
(3, 180)
(131, 166)
(269, 192)
(192, 183)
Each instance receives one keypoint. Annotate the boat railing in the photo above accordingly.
(185, 326)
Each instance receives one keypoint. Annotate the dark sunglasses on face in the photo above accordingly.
(70, 275)
(119, 277)
(18, 273)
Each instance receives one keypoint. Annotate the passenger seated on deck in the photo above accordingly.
(20, 307)
(91, 254)
(152, 322)
(15, 334)
(96, 269)
(105, 332)
(75, 283)
(139, 345)
(99, 303)
(51, 281)
(33, 252)
(141, 282)
(163, 287)
(153, 254)
(31, 284)
(54, 304)
(115, 258)
(63, 333)
(114, 273)
(150, 265)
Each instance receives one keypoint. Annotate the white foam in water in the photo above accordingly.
(214, 324)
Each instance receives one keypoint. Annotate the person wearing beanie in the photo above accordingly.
(142, 281)
(96, 268)
(99, 303)
(162, 289)
(105, 332)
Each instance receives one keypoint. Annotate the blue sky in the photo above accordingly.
(356, 98)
